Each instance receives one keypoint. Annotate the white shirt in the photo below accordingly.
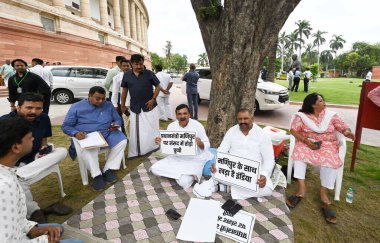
(369, 75)
(256, 146)
(165, 79)
(290, 75)
(116, 89)
(307, 74)
(44, 73)
(13, 224)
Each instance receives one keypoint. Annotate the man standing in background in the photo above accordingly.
(191, 79)
(44, 73)
(7, 71)
(307, 75)
(112, 73)
(166, 83)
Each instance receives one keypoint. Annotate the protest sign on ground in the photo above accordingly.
(237, 171)
(180, 143)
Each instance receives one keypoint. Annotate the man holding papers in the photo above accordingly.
(96, 114)
(246, 140)
(184, 168)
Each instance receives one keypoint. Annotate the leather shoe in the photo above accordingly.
(38, 216)
(58, 209)
(98, 183)
(109, 176)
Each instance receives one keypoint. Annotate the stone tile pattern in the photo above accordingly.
(133, 210)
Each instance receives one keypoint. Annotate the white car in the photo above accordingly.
(269, 96)
(71, 82)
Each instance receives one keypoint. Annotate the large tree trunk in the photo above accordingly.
(272, 62)
(236, 41)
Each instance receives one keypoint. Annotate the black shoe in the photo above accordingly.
(98, 183)
(38, 216)
(109, 176)
(58, 209)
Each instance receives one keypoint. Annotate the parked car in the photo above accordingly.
(269, 96)
(71, 82)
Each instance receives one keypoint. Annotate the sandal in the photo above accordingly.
(328, 214)
(292, 201)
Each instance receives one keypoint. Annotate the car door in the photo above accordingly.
(80, 80)
(100, 75)
(60, 75)
(204, 84)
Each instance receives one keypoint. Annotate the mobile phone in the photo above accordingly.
(228, 205)
(235, 209)
(172, 214)
(318, 143)
(48, 149)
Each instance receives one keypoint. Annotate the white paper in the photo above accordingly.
(237, 171)
(238, 228)
(93, 139)
(179, 143)
(199, 222)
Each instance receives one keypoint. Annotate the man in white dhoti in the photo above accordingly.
(184, 168)
(166, 83)
(246, 140)
(144, 124)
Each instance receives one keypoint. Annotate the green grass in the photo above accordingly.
(357, 222)
(344, 91)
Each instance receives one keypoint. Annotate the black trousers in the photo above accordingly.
(306, 84)
(296, 83)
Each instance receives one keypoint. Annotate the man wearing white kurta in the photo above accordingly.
(166, 83)
(246, 140)
(185, 169)
(44, 73)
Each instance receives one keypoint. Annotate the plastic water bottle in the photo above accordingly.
(350, 195)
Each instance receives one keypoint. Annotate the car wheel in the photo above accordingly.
(63, 97)
(257, 107)
(199, 99)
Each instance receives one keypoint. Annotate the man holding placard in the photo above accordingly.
(244, 142)
(97, 114)
(182, 136)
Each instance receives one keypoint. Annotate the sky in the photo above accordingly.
(175, 21)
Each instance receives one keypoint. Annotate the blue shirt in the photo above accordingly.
(140, 89)
(191, 79)
(41, 129)
(297, 74)
(88, 118)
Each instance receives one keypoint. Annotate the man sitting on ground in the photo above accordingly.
(16, 141)
(185, 169)
(97, 114)
(246, 140)
(30, 106)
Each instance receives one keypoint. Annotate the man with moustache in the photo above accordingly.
(144, 124)
(30, 107)
(24, 81)
(246, 140)
(91, 115)
(184, 169)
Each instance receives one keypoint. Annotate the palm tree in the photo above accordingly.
(281, 47)
(168, 52)
(319, 40)
(309, 54)
(327, 57)
(203, 59)
(304, 28)
(336, 43)
(291, 43)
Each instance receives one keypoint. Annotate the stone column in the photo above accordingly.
(116, 15)
(138, 27)
(142, 23)
(127, 26)
(133, 20)
(146, 33)
(103, 12)
(59, 3)
(85, 9)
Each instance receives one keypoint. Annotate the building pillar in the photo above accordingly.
(59, 3)
(133, 20)
(138, 27)
(127, 26)
(116, 15)
(146, 33)
(103, 12)
(85, 9)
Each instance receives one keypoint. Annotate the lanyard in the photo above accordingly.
(18, 83)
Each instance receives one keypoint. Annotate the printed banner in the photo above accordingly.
(237, 171)
(179, 143)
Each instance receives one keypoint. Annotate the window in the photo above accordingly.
(60, 72)
(75, 5)
(84, 72)
(100, 73)
(48, 24)
(102, 38)
(108, 11)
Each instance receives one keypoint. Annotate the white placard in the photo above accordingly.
(93, 140)
(238, 227)
(237, 171)
(179, 143)
(199, 222)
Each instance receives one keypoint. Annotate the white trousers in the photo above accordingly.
(164, 107)
(29, 171)
(91, 158)
(185, 181)
(327, 174)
